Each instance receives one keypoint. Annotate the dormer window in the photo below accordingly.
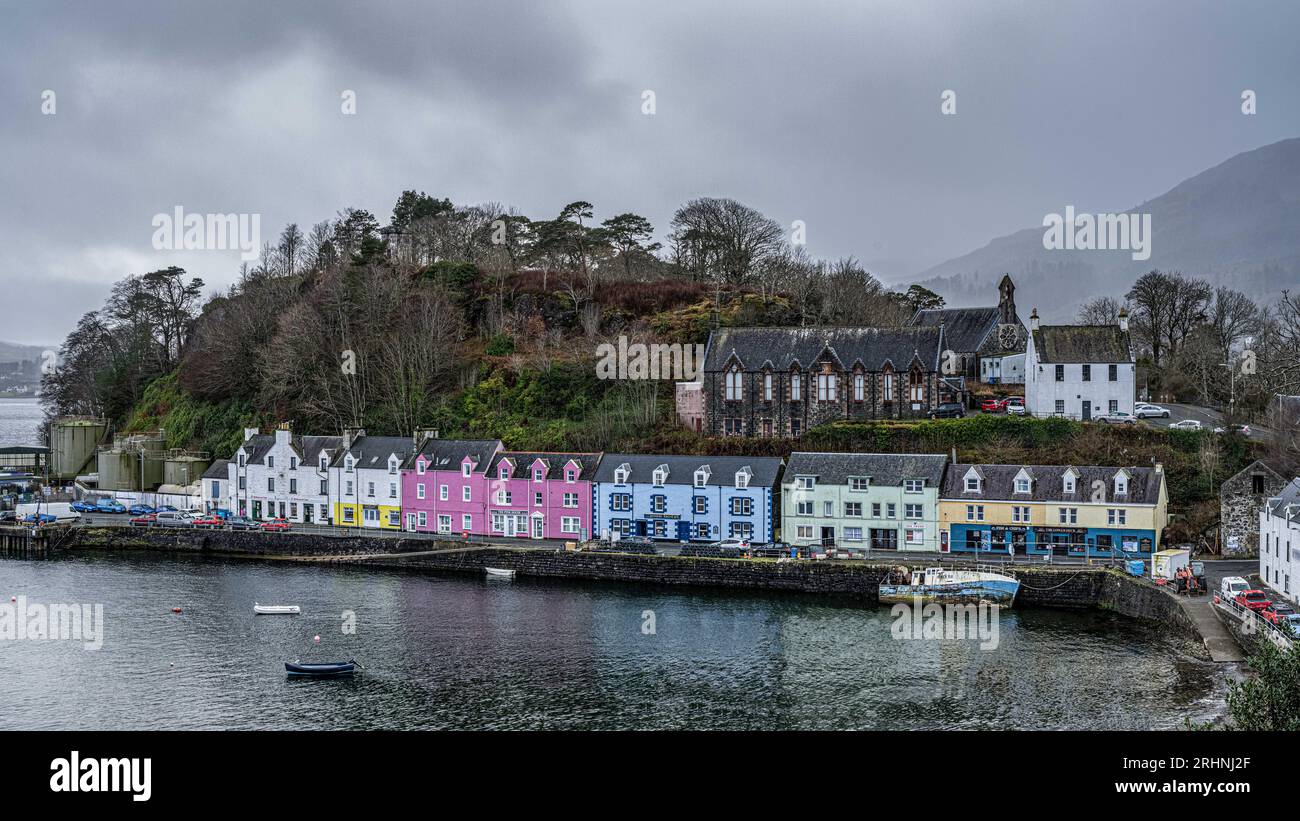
(973, 484)
(1121, 484)
(796, 387)
(701, 478)
(539, 474)
(742, 478)
(324, 463)
(660, 475)
(419, 466)
(349, 463)
(466, 468)
(1022, 485)
(1067, 483)
(570, 476)
(503, 472)
(392, 464)
(806, 482)
(621, 474)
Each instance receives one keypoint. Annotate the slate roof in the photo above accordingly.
(256, 447)
(555, 462)
(681, 469)
(448, 454)
(310, 447)
(1290, 495)
(781, 348)
(218, 470)
(373, 451)
(1047, 484)
(1061, 344)
(884, 469)
(965, 329)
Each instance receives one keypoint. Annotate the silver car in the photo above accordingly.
(1145, 410)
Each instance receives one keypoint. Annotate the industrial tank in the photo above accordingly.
(73, 441)
(184, 469)
(119, 470)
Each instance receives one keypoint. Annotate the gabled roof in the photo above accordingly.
(310, 447)
(1048, 484)
(218, 469)
(965, 329)
(782, 348)
(681, 469)
(256, 447)
(1290, 495)
(449, 454)
(884, 469)
(1084, 344)
(555, 462)
(373, 451)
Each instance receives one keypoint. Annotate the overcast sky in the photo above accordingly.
(823, 112)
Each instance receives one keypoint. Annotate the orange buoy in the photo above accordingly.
(316, 639)
(176, 610)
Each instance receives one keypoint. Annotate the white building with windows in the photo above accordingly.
(282, 476)
(1279, 542)
(1079, 371)
(365, 480)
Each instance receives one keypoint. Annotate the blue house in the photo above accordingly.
(686, 498)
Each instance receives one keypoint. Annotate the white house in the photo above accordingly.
(282, 476)
(216, 488)
(365, 476)
(1279, 542)
(1079, 371)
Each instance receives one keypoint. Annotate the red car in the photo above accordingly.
(146, 520)
(276, 524)
(993, 405)
(208, 521)
(1277, 612)
(1253, 600)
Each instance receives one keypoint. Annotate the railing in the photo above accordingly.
(1251, 621)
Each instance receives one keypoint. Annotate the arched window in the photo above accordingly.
(733, 385)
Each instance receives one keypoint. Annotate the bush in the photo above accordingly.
(500, 345)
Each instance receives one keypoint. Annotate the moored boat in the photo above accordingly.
(276, 609)
(939, 584)
(326, 670)
(500, 572)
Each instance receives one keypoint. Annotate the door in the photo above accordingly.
(1087, 410)
(537, 527)
(828, 536)
(306, 513)
(257, 510)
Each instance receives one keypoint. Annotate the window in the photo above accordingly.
(660, 476)
(241, 460)
(1068, 515)
(1113, 374)
(742, 479)
(701, 477)
(915, 535)
(703, 530)
(1068, 483)
(803, 508)
(913, 511)
(890, 510)
(888, 393)
(270, 461)
(733, 385)
(568, 524)
(465, 469)
(570, 476)
(504, 497)
(742, 507)
(324, 463)
(464, 493)
(442, 493)
(419, 467)
(796, 385)
(537, 499)
(348, 464)
(1113, 407)
(419, 490)
(875, 510)
(1256, 484)
(1060, 407)
(1087, 373)
(392, 490)
(324, 486)
(392, 466)
(795, 428)
(620, 501)
(658, 504)
(767, 387)
(700, 504)
(974, 513)
(503, 472)
(422, 519)
(804, 532)
(570, 499)
(1060, 373)
(1022, 485)
(349, 514)
(828, 508)
(466, 522)
(733, 426)
(852, 508)
(538, 474)
(347, 488)
(972, 484)
(859, 387)
(1116, 516)
(620, 476)
(741, 530)
(852, 534)
(858, 483)
(370, 488)
(916, 385)
(825, 387)
(913, 485)
(242, 480)
(270, 484)
(444, 524)
(1121, 485)
(806, 482)
(1019, 513)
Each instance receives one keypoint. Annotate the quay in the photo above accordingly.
(26, 542)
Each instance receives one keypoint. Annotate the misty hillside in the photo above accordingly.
(1237, 223)
(14, 352)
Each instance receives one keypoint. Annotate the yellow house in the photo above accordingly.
(365, 481)
(1058, 509)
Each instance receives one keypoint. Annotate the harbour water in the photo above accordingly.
(20, 421)
(464, 652)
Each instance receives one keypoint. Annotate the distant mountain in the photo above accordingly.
(14, 352)
(1236, 224)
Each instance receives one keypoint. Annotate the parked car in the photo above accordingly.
(1230, 586)
(1292, 621)
(276, 525)
(1277, 612)
(109, 506)
(40, 519)
(141, 510)
(1016, 406)
(166, 509)
(144, 520)
(1253, 600)
(1145, 410)
(948, 410)
(173, 518)
(1117, 418)
(739, 544)
(1187, 424)
(1240, 430)
(994, 405)
(208, 520)
(242, 523)
(222, 513)
(83, 506)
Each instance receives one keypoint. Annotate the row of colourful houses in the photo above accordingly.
(919, 502)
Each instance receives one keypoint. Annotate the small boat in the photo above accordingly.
(500, 572)
(276, 609)
(327, 670)
(938, 584)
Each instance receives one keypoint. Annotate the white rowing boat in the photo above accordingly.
(276, 609)
(500, 572)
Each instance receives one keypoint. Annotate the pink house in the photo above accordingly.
(541, 495)
(445, 487)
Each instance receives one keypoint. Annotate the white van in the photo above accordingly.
(1230, 586)
(175, 518)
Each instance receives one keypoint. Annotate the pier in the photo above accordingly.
(22, 542)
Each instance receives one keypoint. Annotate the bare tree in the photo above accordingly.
(1103, 310)
(723, 240)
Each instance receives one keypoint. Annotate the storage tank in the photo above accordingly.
(154, 469)
(73, 441)
(184, 469)
(119, 470)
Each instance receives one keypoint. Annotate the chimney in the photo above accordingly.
(283, 434)
(954, 454)
(1123, 319)
(1033, 320)
(351, 435)
(421, 435)
(249, 433)
(1159, 468)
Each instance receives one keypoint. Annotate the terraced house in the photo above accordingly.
(1062, 510)
(686, 498)
(885, 501)
(281, 475)
(365, 480)
(779, 382)
(541, 495)
(444, 484)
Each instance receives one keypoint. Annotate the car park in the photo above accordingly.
(948, 410)
(1187, 424)
(1145, 410)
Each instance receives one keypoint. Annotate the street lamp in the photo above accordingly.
(1232, 387)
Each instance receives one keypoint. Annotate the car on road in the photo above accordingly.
(1118, 417)
(140, 510)
(144, 520)
(994, 405)
(1240, 430)
(739, 544)
(242, 523)
(1277, 612)
(948, 410)
(82, 506)
(1145, 410)
(1016, 406)
(1253, 600)
(109, 506)
(174, 518)
(276, 525)
(1187, 424)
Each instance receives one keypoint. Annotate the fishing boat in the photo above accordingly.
(939, 584)
(500, 573)
(330, 669)
(276, 609)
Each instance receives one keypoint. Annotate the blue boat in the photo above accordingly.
(330, 669)
(938, 584)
